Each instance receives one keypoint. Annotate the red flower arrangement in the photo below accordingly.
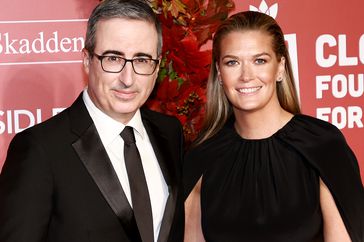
(187, 25)
(184, 69)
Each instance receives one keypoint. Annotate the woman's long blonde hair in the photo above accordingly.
(218, 108)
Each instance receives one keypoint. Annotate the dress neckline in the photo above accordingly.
(280, 131)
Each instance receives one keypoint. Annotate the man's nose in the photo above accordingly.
(127, 74)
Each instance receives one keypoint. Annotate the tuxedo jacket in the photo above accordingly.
(58, 184)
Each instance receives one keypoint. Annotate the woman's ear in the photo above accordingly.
(218, 73)
(217, 68)
(281, 69)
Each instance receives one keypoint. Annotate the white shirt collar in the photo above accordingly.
(107, 127)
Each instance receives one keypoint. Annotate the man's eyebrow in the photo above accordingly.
(141, 54)
(115, 52)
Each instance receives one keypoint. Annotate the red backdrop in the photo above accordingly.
(41, 72)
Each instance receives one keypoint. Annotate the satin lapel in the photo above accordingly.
(168, 216)
(93, 155)
(163, 155)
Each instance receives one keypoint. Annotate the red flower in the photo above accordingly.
(184, 70)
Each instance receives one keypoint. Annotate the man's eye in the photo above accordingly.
(113, 58)
(142, 61)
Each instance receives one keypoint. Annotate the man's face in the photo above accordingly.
(120, 95)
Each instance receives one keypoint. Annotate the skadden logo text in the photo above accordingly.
(15, 121)
(39, 44)
(41, 41)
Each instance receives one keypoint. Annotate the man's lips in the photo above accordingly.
(123, 94)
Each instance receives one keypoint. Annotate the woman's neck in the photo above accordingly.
(260, 124)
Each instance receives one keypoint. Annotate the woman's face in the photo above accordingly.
(249, 69)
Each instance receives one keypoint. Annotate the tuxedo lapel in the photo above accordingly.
(165, 159)
(158, 141)
(94, 157)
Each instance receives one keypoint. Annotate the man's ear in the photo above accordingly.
(159, 63)
(86, 60)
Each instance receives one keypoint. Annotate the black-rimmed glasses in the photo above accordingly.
(115, 64)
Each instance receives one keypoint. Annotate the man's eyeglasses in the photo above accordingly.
(115, 64)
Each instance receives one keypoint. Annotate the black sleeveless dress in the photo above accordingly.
(268, 189)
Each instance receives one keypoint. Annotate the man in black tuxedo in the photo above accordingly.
(68, 179)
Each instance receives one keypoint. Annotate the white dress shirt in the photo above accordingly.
(109, 131)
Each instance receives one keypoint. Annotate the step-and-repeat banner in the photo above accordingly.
(41, 71)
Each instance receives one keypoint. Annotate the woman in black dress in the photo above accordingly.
(261, 170)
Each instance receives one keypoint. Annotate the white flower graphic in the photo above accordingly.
(263, 8)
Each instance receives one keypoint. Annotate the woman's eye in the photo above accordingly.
(260, 61)
(231, 62)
